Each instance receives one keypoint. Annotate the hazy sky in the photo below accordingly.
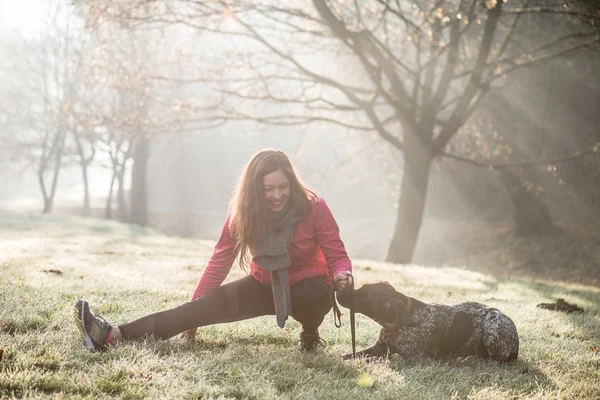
(22, 15)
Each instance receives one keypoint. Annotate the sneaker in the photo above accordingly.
(95, 329)
(309, 341)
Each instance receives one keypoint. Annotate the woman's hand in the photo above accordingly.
(342, 280)
(190, 334)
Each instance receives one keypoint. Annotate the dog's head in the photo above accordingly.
(380, 302)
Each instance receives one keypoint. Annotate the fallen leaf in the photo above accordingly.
(143, 377)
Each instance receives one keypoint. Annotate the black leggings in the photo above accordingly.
(235, 301)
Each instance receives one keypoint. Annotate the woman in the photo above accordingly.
(296, 257)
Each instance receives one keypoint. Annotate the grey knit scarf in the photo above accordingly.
(271, 253)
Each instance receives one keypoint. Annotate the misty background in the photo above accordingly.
(136, 115)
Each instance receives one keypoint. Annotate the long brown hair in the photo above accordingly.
(250, 213)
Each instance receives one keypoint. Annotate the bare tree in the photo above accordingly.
(86, 142)
(136, 107)
(414, 72)
(119, 148)
(87, 117)
(41, 97)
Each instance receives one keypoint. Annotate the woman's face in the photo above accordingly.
(277, 190)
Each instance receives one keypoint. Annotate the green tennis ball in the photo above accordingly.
(364, 380)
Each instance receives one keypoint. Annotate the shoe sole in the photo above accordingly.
(80, 315)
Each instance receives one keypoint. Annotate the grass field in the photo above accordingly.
(47, 263)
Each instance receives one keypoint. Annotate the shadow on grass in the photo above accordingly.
(219, 344)
(569, 254)
(464, 377)
(235, 362)
(263, 339)
(551, 291)
(585, 324)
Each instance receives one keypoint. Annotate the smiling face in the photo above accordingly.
(277, 190)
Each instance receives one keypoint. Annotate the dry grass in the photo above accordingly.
(126, 272)
(568, 253)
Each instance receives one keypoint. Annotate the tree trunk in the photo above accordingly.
(42, 184)
(108, 210)
(84, 163)
(139, 178)
(87, 208)
(49, 200)
(530, 214)
(121, 203)
(411, 205)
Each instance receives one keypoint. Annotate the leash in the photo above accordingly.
(352, 321)
(337, 316)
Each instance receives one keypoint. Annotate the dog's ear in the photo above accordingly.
(402, 314)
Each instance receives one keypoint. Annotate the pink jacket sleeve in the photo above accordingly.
(219, 264)
(328, 237)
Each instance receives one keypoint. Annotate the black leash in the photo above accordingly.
(352, 321)
(337, 316)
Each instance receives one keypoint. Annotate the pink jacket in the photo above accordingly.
(316, 251)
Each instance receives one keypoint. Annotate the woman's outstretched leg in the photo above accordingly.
(235, 301)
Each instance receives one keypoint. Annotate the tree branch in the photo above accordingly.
(491, 166)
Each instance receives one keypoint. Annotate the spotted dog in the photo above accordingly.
(411, 327)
